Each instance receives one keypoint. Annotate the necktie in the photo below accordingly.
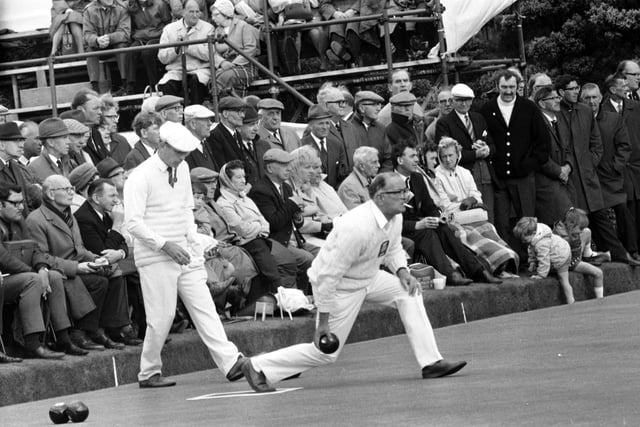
(59, 164)
(619, 108)
(554, 124)
(172, 176)
(469, 126)
(634, 96)
(278, 140)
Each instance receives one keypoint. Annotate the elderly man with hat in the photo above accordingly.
(470, 130)
(369, 132)
(330, 149)
(225, 139)
(169, 255)
(275, 199)
(147, 126)
(400, 81)
(196, 56)
(12, 172)
(54, 159)
(251, 148)
(80, 177)
(170, 108)
(271, 129)
(402, 126)
(198, 119)
(78, 135)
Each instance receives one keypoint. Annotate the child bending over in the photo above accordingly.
(547, 252)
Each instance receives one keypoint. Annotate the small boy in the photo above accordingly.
(547, 251)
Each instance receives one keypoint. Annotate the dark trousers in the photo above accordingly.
(513, 199)
(626, 227)
(25, 289)
(93, 62)
(604, 235)
(436, 244)
(110, 298)
(634, 211)
(260, 251)
(198, 92)
(149, 60)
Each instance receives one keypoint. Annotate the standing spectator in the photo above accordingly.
(522, 147)
(53, 160)
(148, 18)
(147, 127)
(106, 25)
(169, 255)
(400, 81)
(234, 71)
(331, 151)
(198, 120)
(578, 125)
(116, 145)
(354, 190)
(616, 101)
(537, 81)
(552, 181)
(271, 129)
(12, 172)
(333, 101)
(66, 14)
(631, 71)
(368, 130)
(402, 126)
(469, 129)
(189, 27)
(445, 106)
(616, 146)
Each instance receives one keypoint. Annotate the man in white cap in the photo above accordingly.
(169, 255)
(198, 119)
(470, 130)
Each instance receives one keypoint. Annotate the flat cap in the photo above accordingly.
(277, 155)
(403, 98)
(461, 90)
(270, 104)
(178, 136)
(52, 128)
(77, 115)
(201, 174)
(9, 131)
(250, 116)
(197, 111)
(75, 127)
(83, 175)
(231, 103)
(367, 95)
(106, 166)
(316, 112)
(167, 101)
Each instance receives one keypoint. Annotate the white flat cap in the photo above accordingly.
(179, 137)
(197, 111)
(461, 90)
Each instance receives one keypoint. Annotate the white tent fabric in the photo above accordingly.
(462, 19)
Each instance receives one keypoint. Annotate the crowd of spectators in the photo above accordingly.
(99, 25)
(547, 183)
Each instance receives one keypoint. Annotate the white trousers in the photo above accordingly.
(161, 284)
(383, 289)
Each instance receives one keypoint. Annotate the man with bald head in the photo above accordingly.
(631, 71)
(57, 234)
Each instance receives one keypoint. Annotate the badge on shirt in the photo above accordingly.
(383, 248)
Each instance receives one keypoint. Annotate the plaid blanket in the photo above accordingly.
(482, 238)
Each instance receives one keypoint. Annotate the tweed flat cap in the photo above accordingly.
(270, 104)
(167, 101)
(403, 98)
(52, 128)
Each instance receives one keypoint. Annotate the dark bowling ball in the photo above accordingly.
(329, 343)
(77, 411)
(57, 413)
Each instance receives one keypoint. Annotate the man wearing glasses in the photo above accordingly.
(445, 106)
(368, 130)
(13, 172)
(170, 108)
(631, 71)
(332, 100)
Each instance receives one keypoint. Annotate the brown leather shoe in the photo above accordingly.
(256, 380)
(235, 373)
(156, 381)
(442, 368)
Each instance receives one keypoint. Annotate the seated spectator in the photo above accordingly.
(54, 159)
(80, 178)
(56, 231)
(66, 14)
(12, 172)
(460, 193)
(368, 130)
(78, 135)
(402, 126)
(252, 148)
(29, 289)
(198, 119)
(116, 145)
(99, 235)
(271, 129)
(147, 127)
(190, 27)
(106, 24)
(445, 106)
(224, 138)
(234, 71)
(423, 224)
(548, 252)
(283, 210)
(148, 18)
(170, 108)
(327, 199)
(32, 143)
(354, 190)
(343, 38)
(334, 101)
(315, 226)
(86, 108)
(251, 230)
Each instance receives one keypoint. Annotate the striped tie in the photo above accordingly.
(469, 126)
